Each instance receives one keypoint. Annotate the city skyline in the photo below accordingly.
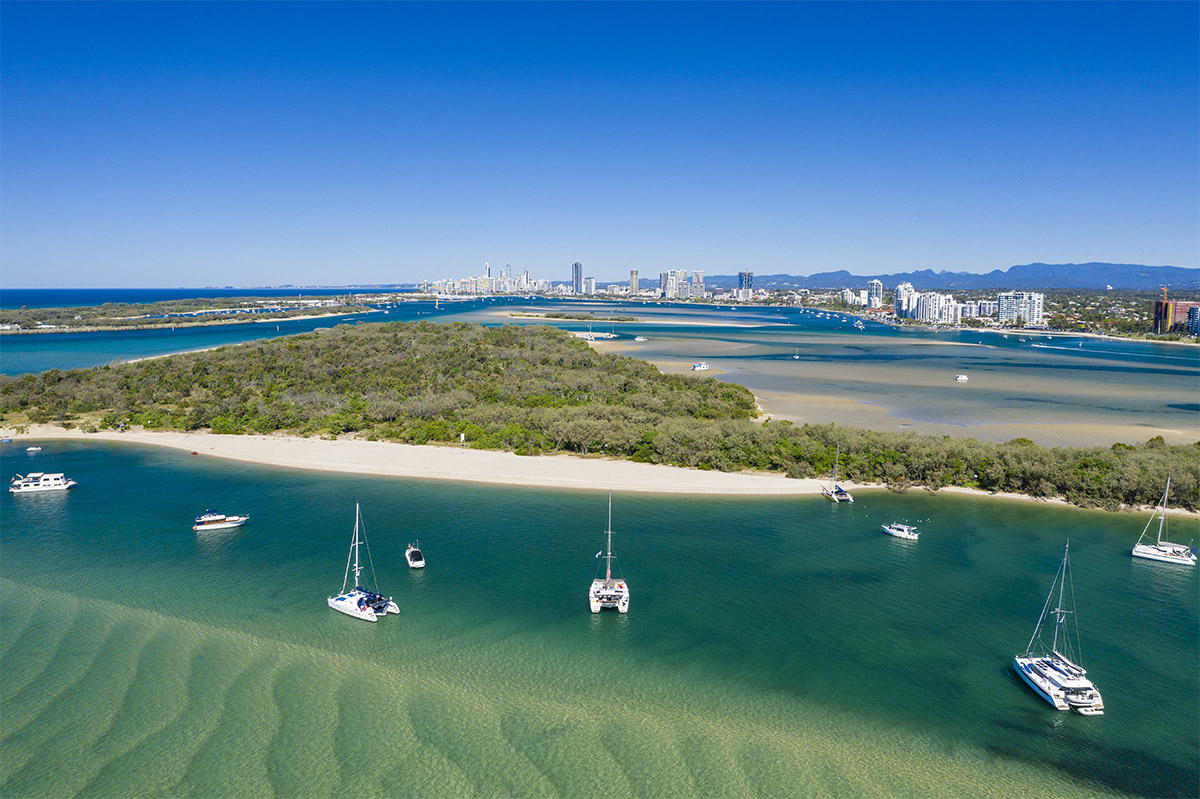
(267, 144)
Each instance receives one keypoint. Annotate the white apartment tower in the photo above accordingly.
(1023, 305)
(875, 294)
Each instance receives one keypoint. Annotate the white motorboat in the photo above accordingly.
(211, 520)
(33, 449)
(796, 357)
(834, 492)
(961, 378)
(901, 531)
(858, 325)
(609, 593)
(1163, 550)
(40, 481)
(1054, 675)
(640, 338)
(414, 557)
(360, 602)
(699, 366)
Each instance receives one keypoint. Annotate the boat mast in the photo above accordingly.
(1162, 510)
(608, 554)
(357, 568)
(1059, 613)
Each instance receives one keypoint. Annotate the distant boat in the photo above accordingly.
(359, 602)
(834, 492)
(40, 481)
(414, 557)
(859, 324)
(640, 338)
(1054, 676)
(901, 531)
(1163, 550)
(961, 378)
(796, 357)
(33, 449)
(609, 593)
(5, 440)
(699, 366)
(211, 520)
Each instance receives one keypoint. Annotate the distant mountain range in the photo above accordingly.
(1026, 276)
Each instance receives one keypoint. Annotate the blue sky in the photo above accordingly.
(193, 144)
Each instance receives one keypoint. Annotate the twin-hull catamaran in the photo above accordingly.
(1054, 676)
(609, 593)
(834, 492)
(1163, 550)
(359, 602)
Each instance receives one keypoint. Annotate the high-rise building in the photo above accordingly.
(1170, 314)
(577, 277)
(633, 282)
(1193, 323)
(589, 285)
(1025, 306)
(875, 294)
(905, 299)
(746, 280)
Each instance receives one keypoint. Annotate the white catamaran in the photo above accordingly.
(359, 602)
(609, 593)
(1056, 677)
(1163, 550)
(834, 492)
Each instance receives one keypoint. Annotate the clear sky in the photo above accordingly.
(193, 144)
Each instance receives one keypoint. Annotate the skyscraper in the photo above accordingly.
(577, 277)
(875, 294)
(633, 281)
(1025, 306)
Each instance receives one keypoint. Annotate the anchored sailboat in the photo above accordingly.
(1056, 677)
(359, 602)
(1163, 550)
(609, 593)
(834, 492)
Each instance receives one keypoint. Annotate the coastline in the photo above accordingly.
(216, 322)
(389, 459)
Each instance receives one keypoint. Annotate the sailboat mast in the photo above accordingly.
(1162, 510)
(1059, 614)
(357, 568)
(608, 555)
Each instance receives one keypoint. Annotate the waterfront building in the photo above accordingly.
(875, 294)
(1193, 320)
(1025, 306)
(848, 296)
(988, 308)
(633, 282)
(1171, 314)
(577, 277)
(589, 285)
(906, 298)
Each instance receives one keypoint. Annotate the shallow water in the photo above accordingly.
(773, 646)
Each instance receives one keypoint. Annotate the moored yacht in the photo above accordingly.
(211, 520)
(1054, 676)
(699, 366)
(40, 481)
(1163, 550)
(901, 531)
(360, 602)
(609, 593)
(834, 492)
(414, 557)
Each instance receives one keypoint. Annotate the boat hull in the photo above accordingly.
(1176, 556)
(602, 596)
(1021, 667)
(228, 524)
(898, 532)
(345, 604)
(32, 489)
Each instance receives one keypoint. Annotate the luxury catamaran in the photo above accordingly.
(1163, 550)
(609, 593)
(834, 492)
(1054, 676)
(359, 602)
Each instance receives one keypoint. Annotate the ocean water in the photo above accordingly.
(75, 298)
(773, 647)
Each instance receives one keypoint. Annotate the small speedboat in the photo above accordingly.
(211, 520)
(641, 338)
(414, 557)
(961, 378)
(33, 449)
(699, 366)
(901, 531)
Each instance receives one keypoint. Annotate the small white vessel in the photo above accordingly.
(39, 481)
(33, 449)
(699, 366)
(1054, 676)
(961, 378)
(211, 520)
(796, 357)
(859, 324)
(359, 602)
(609, 593)
(834, 492)
(640, 338)
(1163, 550)
(414, 557)
(901, 531)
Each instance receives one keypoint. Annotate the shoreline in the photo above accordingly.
(225, 320)
(494, 467)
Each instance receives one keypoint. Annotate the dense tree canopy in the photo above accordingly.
(536, 389)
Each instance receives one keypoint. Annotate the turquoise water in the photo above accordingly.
(773, 646)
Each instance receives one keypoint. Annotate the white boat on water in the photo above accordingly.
(609, 593)
(796, 357)
(699, 366)
(211, 520)
(33, 449)
(1163, 550)
(858, 324)
(1053, 671)
(640, 338)
(961, 378)
(901, 531)
(834, 492)
(40, 481)
(414, 557)
(359, 602)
